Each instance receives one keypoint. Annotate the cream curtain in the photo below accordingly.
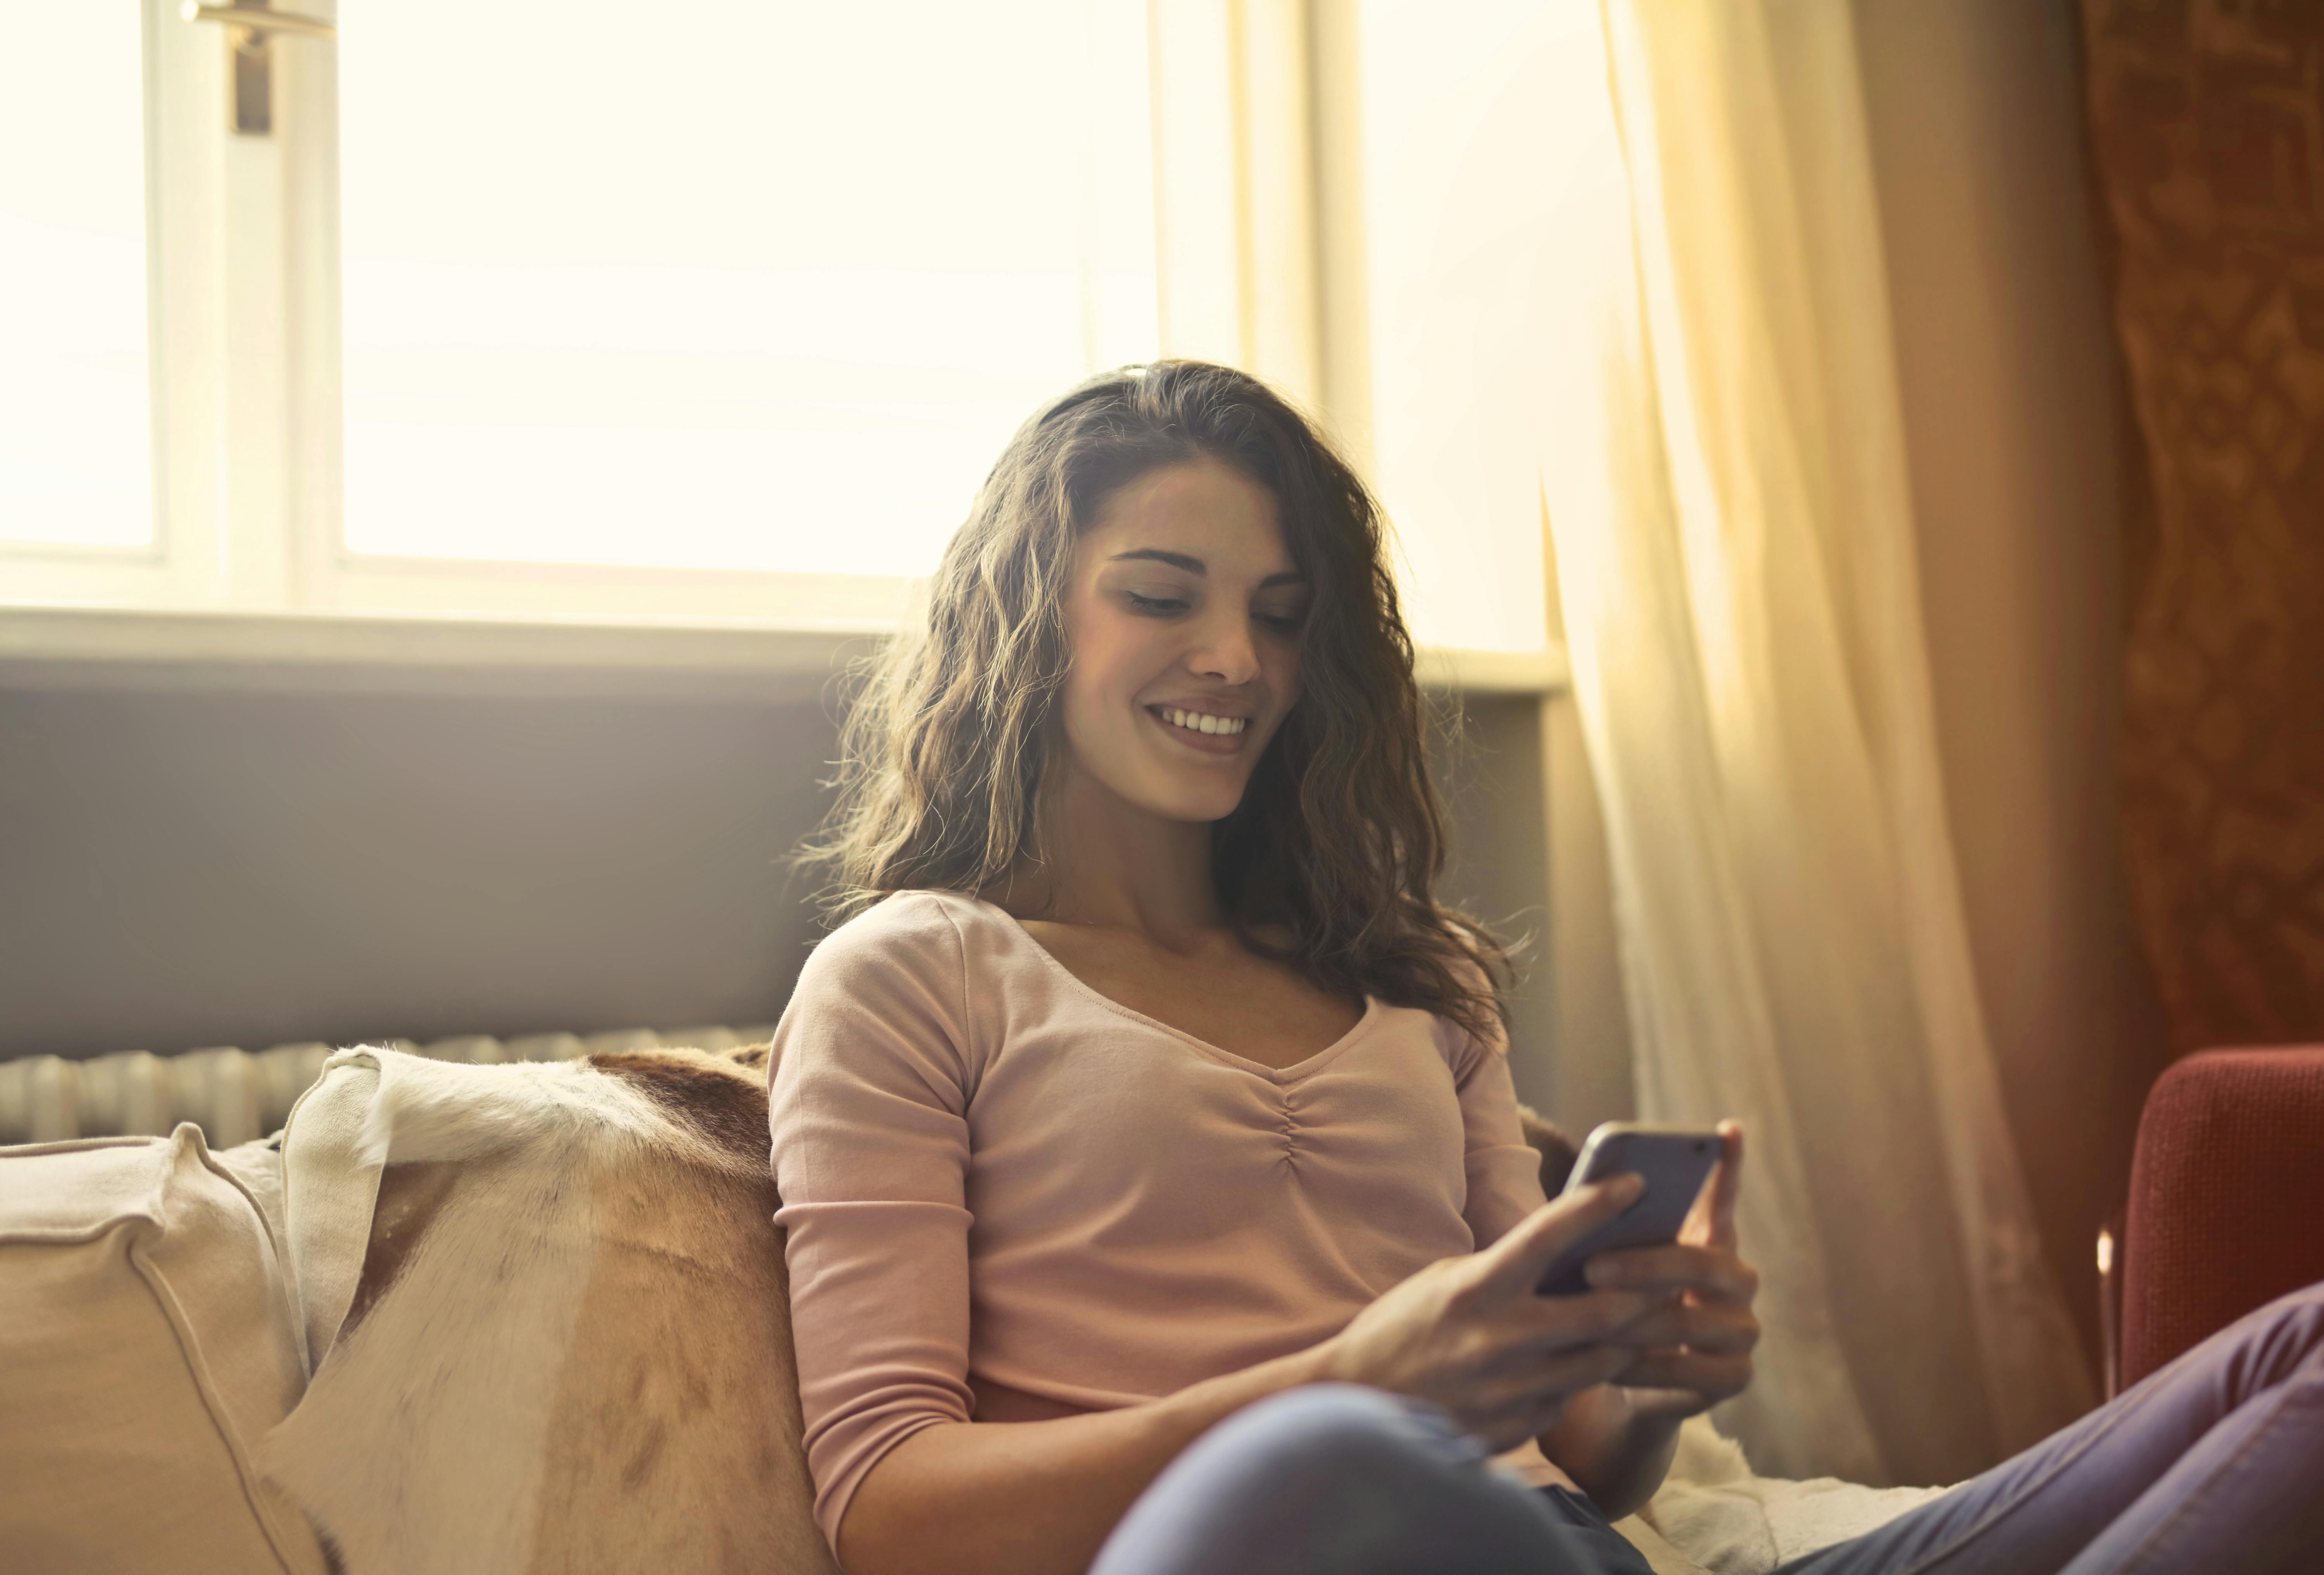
(1651, 285)
(1723, 476)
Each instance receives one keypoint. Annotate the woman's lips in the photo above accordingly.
(1192, 738)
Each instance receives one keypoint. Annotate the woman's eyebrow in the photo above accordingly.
(1196, 566)
(1155, 554)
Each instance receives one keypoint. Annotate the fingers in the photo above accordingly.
(1711, 1222)
(1517, 1262)
(1710, 1271)
(1529, 1333)
(1561, 1372)
(1727, 1185)
(1697, 1326)
(1715, 1375)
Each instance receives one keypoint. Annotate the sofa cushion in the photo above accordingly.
(148, 1343)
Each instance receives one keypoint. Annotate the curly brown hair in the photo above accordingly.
(1329, 862)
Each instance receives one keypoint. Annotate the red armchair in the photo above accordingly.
(2226, 1200)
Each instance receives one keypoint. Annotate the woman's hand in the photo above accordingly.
(1472, 1335)
(1694, 1350)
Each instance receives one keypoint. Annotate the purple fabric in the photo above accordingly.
(2215, 1464)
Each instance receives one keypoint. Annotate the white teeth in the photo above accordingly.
(1198, 722)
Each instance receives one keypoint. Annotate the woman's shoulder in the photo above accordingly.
(1464, 1048)
(893, 979)
(918, 930)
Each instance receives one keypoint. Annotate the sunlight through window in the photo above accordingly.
(1486, 166)
(74, 425)
(744, 286)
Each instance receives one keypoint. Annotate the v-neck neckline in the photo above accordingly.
(1278, 1075)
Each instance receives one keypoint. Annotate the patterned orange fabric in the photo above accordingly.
(2206, 119)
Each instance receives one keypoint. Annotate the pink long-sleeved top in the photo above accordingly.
(1008, 1196)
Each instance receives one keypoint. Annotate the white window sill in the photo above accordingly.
(83, 647)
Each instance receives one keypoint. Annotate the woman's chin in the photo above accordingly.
(1171, 796)
(1168, 783)
(1196, 807)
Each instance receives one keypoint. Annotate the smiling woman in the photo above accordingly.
(1147, 1076)
(1198, 549)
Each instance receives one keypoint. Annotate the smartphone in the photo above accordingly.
(1674, 1161)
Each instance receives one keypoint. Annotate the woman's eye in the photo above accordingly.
(1283, 623)
(1154, 606)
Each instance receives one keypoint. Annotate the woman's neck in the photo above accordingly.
(1105, 861)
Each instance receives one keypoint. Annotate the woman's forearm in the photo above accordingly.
(1614, 1453)
(1035, 1498)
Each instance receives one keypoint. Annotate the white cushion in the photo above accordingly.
(148, 1342)
(1716, 1511)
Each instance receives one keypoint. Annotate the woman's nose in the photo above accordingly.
(1225, 651)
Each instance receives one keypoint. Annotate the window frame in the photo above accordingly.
(188, 559)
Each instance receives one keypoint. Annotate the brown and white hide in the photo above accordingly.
(567, 1343)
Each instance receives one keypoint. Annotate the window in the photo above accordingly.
(75, 429)
(767, 292)
(1476, 181)
(543, 314)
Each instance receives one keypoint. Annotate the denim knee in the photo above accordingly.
(1333, 1478)
(2289, 1331)
(1339, 1430)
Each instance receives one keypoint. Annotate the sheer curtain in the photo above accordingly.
(1723, 478)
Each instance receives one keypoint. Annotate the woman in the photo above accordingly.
(1151, 1170)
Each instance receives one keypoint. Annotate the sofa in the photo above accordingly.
(492, 1317)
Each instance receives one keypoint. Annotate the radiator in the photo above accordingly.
(236, 1095)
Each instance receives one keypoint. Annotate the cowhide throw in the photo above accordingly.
(568, 1346)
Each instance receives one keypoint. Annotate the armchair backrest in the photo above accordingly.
(2226, 1197)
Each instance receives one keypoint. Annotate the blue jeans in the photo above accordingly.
(2213, 1466)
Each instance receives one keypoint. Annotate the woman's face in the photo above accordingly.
(1183, 621)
